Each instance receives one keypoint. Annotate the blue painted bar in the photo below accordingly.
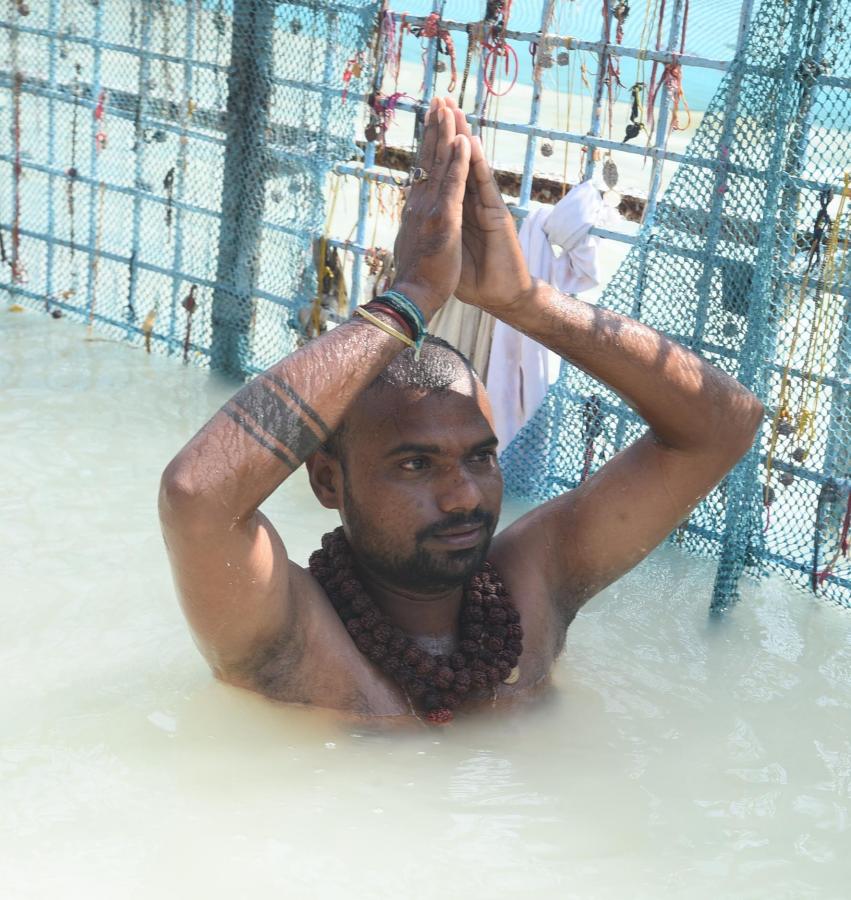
(740, 528)
(53, 58)
(180, 174)
(320, 195)
(431, 62)
(599, 84)
(665, 106)
(244, 183)
(537, 91)
(716, 211)
(364, 191)
(138, 167)
(837, 456)
(94, 159)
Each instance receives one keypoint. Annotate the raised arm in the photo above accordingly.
(236, 585)
(700, 420)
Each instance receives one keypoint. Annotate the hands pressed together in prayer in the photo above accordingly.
(457, 235)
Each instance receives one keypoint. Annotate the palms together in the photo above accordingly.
(493, 270)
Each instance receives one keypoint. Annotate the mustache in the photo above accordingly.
(459, 520)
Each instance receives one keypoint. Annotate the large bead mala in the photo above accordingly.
(488, 653)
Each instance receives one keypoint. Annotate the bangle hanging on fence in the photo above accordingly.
(495, 46)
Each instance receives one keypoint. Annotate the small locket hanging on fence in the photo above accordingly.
(610, 178)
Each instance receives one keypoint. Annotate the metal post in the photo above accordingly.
(837, 455)
(364, 187)
(537, 90)
(139, 149)
(599, 84)
(94, 191)
(794, 103)
(662, 123)
(180, 172)
(244, 183)
(52, 27)
(728, 130)
(646, 238)
(431, 61)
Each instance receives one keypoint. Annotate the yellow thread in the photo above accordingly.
(322, 268)
(823, 326)
(389, 329)
(831, 276)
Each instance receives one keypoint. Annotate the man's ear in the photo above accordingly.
(326, 478)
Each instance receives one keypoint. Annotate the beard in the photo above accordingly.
(420, 569)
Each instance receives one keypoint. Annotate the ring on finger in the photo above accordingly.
(417, 175)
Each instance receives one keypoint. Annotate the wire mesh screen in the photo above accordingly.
(167, 179)
(747, 263)
(167, 163)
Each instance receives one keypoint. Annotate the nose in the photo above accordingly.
(459, 492)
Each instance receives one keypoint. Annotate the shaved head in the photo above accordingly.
(439, 367)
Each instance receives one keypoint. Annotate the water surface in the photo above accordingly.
(676, 757)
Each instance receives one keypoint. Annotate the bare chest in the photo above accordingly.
(333, 673)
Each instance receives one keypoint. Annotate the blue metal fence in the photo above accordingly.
(170, 165)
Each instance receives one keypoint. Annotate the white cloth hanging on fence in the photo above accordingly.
(519, 369)
(468, 328)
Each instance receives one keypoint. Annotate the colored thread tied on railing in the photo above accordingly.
(493, 52)
(432, 28)
(100, 117)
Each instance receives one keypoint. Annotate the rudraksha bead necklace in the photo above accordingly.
(488, 653)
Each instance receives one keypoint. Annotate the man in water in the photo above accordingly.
(413, 605)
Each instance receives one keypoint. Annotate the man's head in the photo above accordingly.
(413, 471)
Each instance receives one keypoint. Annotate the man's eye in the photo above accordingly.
(416, 464)
(483, 456)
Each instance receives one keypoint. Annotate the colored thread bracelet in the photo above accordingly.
(406, 307)
(388, 329)
(386, 310)
(410, 312)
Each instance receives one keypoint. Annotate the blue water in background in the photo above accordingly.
(712, 30)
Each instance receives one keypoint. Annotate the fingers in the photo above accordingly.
(443, 153)
(425, 158)
(461, 124)
(481, 175)
(455, 178)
